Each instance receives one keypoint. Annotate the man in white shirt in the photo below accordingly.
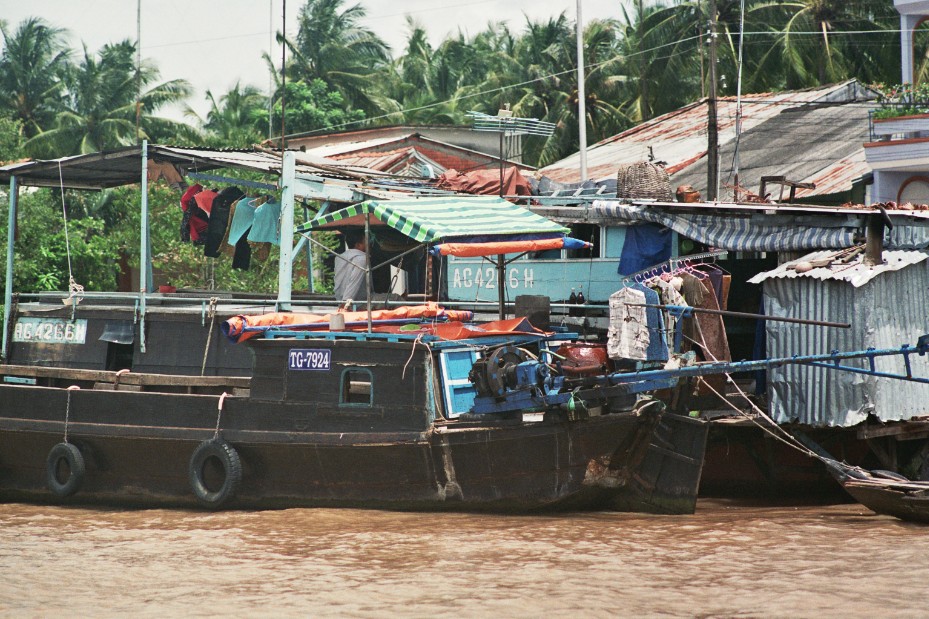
(350, 268)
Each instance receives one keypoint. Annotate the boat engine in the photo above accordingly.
(509, 380)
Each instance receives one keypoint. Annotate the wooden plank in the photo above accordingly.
(130, 378)
(896, 430)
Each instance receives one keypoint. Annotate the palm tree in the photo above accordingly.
(236, 119)
(33, 60)
(811, 51)
(333, 47)
(100, 105)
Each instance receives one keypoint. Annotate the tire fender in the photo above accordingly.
(215, 453)
(64, 470)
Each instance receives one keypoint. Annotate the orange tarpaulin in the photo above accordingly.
(235, 327)
(461, 331)
(458, 330)
(470, 250)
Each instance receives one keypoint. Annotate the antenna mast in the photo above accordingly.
(712, 128)
(581, 95)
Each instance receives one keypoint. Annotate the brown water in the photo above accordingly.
(730, 559)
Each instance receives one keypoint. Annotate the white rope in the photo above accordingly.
(219, 414)
(75, 290)
(778, 433)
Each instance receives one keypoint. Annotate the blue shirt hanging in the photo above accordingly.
(267, 225)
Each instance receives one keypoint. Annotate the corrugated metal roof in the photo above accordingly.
(124, 166)
(379, 160)
(782, 134)
(855, 273)
(822, 397)
(338, 148)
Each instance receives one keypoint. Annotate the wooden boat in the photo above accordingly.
(343, 419)
(884, 492)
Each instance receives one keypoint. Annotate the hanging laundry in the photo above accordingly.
(716, 279)
(164, 170)
(242, 219)
(727, 283)
(267, 225)
(187, 206)
(219, 220)
(200, 208)
(627, 336)
(645, 245)
(242, 258)
(657, 340)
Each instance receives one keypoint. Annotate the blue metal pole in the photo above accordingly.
(285, 276)
(8, 284)
(706, 369)
(309, 254)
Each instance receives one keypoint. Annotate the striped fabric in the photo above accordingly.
(733, 232)
(433, 219)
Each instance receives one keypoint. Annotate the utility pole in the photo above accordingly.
(712, 128)
(581, 95)
(138, 72)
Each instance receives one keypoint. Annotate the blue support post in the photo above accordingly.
(310, 284)
(8, 283)
(285, 268)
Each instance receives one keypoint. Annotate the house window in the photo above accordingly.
(356, 387)
(589, 233)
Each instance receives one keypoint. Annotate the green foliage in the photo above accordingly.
(333, 46)
(11, 139)
(901, 100)
(310, 106)
(237, 119)
(98, 111)
(41, 257)
(34, 60)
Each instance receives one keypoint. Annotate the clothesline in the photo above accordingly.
(672, 263)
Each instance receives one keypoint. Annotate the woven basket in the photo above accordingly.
(643, 181)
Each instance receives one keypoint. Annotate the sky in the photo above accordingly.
(214, 44)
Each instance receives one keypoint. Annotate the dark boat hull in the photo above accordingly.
(910, 505)
(137, 449)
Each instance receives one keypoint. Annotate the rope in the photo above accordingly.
(219, 414)
(75, 290)
(118, 375)
(419, 339)
(209, 335)
(780, 434)
(68, 409)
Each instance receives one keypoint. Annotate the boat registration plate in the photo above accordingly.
(310, 359)
(50, 330)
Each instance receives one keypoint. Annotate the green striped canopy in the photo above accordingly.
(428, 220)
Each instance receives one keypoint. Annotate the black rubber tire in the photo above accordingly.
(215, 452)
(69, 455)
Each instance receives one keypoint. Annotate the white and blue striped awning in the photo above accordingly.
(735, 232)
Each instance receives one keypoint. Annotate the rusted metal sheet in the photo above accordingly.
(800, 146)
(888, 310)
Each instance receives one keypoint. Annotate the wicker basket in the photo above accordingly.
(643, 181)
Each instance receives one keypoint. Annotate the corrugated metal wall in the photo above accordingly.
(887, 312)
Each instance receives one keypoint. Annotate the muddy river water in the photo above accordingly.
(730, 559)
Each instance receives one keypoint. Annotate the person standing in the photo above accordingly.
(350, 268)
